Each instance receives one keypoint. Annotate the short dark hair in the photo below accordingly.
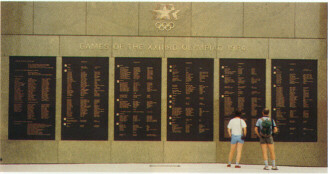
(237, 113)
(266, 111)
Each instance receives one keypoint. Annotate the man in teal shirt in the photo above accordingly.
(266, 141)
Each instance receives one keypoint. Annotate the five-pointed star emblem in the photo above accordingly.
(166, 12)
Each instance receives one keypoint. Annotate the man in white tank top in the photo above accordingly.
(236, 129)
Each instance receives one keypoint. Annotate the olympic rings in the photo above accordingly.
(164, 26)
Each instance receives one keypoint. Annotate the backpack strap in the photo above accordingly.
(263, 119)
(260, 129)
(242, 131)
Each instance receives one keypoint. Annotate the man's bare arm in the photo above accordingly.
(257, 131)
(229, 132)
(245, 131)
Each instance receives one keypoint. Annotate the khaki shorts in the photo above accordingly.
(266, 140)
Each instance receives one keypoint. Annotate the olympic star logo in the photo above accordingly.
(166, 12)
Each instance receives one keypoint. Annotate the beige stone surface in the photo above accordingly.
(58, 98)
(164, 100)
(137, 152)
(189, 152)
(251, 153)
(322, 100)
(84, 152)
(181, 23)
(242, 48)
(217, 19)
(85, 46)
(16, 17)
(269, 19)
(111, 99)
(287, 153)
(301, 154)
(297, 48)
(216, 100)
(60, 18)
(311, 20)
(268, 102)
(4, 97)
(112, 18)
(25, 151)
(138, 47)
(15, 45)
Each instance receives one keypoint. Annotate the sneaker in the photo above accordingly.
(237, 166)
(229, 165)
(266, 168)
(274, 168)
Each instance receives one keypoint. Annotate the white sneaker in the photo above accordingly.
(274, 168)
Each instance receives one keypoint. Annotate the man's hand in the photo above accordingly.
(244, 133)
(275, 130)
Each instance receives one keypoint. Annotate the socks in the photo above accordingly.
(229, 163)
(273, 163)
(237, 164)
(266, 163)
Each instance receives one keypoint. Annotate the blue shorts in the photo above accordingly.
(236, 139)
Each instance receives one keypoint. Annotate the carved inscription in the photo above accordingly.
(161, 47)
(94, 46)
(175, 47)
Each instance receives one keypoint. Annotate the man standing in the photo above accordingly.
(236, 130)
(263, 130)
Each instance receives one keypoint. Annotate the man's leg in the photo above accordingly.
(273, 156)
(239, 150)
(271, 149)
(264, 152)
(265, 156)
(232, 152)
